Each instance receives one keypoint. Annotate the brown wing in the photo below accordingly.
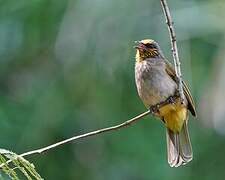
(171, 72)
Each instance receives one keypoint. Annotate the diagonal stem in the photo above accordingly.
(93, 133)
(176, 60)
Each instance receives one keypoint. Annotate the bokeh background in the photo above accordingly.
(67, 67)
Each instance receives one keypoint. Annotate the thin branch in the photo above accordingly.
(169, 100)
(176, 60)
(112, 128)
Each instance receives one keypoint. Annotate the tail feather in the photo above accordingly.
(179, 147)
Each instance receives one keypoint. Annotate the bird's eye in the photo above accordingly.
(148, 45)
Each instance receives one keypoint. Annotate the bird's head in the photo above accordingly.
(147, 48)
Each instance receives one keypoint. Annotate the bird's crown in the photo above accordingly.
(147, 41)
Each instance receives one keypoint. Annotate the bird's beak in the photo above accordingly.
(139, 45)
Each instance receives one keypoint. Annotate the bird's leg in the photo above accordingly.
(172, 99)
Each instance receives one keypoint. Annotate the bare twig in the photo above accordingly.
(124, 124)
(117, 127)
(176, 60)
(93, 133)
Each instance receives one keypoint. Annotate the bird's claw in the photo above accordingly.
(171, 100)
(154, 109)
(177, 93)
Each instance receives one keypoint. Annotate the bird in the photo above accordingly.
(156, 82)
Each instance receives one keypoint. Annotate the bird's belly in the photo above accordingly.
(155, 88)
(152, 93)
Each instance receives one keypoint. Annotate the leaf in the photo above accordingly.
(11, 163)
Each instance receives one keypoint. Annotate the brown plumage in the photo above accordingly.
(155, 81)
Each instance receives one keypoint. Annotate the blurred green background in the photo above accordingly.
(67, 67)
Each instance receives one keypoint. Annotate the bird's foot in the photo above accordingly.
(177, 93)
(171, 100)
(154, 109)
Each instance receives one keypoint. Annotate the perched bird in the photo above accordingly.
(156, 81)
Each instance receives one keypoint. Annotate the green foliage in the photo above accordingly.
(12, 164)
(67, 67)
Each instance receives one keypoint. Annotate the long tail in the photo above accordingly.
(179, 148)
